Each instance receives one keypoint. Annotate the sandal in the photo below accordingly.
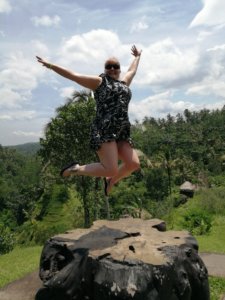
(72, 164)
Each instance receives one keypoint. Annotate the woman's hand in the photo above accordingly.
(135, 52)
(43, 62)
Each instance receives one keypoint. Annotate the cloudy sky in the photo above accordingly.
(182, 64)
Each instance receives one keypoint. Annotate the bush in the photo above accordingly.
(213, 200)
(7, 240)
(38, 232)
(182, 199)
(44, 232)
(197, 221)
(217, 180)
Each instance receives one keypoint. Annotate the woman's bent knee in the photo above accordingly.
(133, 166)
(111, 172)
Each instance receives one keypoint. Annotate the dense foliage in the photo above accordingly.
(20, 187)
(36, 203)
(67, 140)
(187, 145)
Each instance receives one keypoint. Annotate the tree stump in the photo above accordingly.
(125, 259)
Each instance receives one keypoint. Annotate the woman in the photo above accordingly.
(110, 132)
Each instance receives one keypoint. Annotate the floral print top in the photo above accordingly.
(111, 122)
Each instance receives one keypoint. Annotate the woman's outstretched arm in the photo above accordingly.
(134, 65)
(87, 81)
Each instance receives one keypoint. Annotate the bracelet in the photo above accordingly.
(50, 66)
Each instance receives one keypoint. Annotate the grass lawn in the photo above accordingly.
(215, 240)
(18, 263)
(217, 287)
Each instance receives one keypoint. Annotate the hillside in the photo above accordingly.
(26, 149)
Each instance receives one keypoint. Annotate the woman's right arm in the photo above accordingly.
(87, 81)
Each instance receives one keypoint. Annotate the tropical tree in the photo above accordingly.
(67, 139)
(19, 184)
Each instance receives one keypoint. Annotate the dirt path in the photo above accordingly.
(22, 289)
(215, 263)
(26, 288)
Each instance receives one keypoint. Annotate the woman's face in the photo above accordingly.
(112, 68)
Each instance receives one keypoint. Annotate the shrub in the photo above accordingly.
(182, 199)
(7, 240)
(37, 233)
(197, 221)
(44, 232)
(212, 200)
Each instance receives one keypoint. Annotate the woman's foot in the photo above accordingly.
(70, 169)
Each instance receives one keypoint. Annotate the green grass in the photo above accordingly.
(18, 263)
(210, 200)
(215, 240)
(217, 287)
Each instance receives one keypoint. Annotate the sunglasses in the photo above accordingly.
(110, 66)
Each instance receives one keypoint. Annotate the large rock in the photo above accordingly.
(124, 259)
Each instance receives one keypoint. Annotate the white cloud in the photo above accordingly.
(9, 98)
(165, 64)
(5, 6)
(207, 87)
(67, 91)
(18, 115)
(157, 105)
(17, 80)
(19, 72)
(46, 21)
(39, 48)
(210, 33)
(90, 49)
(160, 105)
(213, 83)
(212, 13)
(28, 133)
(217, 47)
(139, 25)
(204, 35)
(162, 64)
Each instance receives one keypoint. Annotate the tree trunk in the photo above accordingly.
(85, 204)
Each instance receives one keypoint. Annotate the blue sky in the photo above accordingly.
(182, 64)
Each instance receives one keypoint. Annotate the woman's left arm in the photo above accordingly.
(134, 65)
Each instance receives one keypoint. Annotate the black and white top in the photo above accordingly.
(112, 122)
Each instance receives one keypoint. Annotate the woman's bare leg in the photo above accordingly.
(107, 167)
(130, 163)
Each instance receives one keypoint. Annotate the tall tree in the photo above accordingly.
(67, 139)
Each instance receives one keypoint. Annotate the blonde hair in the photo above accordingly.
(112, 58)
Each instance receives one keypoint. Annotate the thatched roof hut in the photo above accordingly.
(187, 188)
